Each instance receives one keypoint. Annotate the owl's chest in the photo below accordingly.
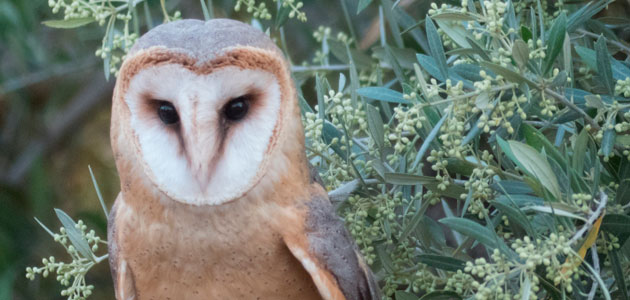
(228, 254)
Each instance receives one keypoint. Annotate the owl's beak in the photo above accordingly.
(202, 148)
(203, 140)
(203, 162)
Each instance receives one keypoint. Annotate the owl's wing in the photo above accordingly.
(330, 256)
(124, 286)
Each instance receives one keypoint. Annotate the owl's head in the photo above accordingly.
(201, 107)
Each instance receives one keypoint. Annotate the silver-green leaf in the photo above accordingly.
(74, 235)
(69, 24)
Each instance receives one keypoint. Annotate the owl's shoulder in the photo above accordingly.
(329, 254)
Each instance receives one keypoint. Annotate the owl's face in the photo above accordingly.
(202, 111)
(203, 137)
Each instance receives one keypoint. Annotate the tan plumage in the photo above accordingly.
(212, 208)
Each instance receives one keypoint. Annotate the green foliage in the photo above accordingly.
(287, 8)
(119, 19)
(500, 127)
(80, 249)
(80, 246)
(490, 142)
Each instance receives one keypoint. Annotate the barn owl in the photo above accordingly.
(217, 197)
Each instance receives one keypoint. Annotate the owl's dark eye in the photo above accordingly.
(237, 108)
(167, 113)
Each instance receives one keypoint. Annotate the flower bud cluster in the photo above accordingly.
(494, 15)
(549, 253)
(624, 124)
(72, 274)
(320, 57)
(435, 9)
(491, 279)
(548, 105)
(402, 259)
(313, 128)
(408, 121)
(340, 109)
(439, 160)
(361, 228)
(344, 116)
(344, 38)
(486, 83)
(491, 284)
(461, 283)
(259, 11)
(607, 242)
(502, 57)
(478, 186)
(322, 33)
(622, 87)
(295, 9)
(116, 51)
(432, 197)
(583, 201)
(76, 9)
(501, 114)
(366, 218)
(454, 128)
(537, 50)
(118, 40)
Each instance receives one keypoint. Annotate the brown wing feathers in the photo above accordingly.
(333, 247)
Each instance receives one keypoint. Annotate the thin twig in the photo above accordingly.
(303, 69)
(471, 94)
(542, 124)
(592, 218)
(320, 68)
(573, 107)
(621, 46)
(591, 294)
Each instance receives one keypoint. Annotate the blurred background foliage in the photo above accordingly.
(54, 122)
